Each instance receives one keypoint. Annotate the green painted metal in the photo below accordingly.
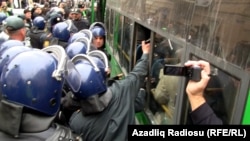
(115, 68)
(92, 11)
(142, 118)
(103, 9)
(246, 116)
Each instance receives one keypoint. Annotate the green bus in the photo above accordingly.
(181, 30)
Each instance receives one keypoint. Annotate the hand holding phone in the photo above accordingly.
(193, 73)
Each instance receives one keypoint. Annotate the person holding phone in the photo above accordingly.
(201, 112)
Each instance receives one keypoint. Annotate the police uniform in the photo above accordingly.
(98, 29)
(111, 123)
(30, 117)
(3, 37)
(29, 127)
(11, 24)
(55, 132)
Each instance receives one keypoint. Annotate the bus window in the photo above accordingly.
(221, 93)
(209, 30)
(107, 22)
(240, 54)
(126, 38)
(220, 30)
(204, 29)
(141, 34)
(111, 29)
(164, 87)
(125, 41)
(122, 42)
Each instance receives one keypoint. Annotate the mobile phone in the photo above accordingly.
(193, 73)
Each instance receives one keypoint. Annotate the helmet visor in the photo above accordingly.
(73, 77)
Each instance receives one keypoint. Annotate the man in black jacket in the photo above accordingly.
(37, 33)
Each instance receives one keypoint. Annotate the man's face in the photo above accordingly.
(73, 16)
(28, 15)
(78, 15)
(98, 41)
(38, 10)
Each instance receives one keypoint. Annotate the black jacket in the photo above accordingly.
(204, 115)
(36, 38)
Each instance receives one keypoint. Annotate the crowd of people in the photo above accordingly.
(54, 79)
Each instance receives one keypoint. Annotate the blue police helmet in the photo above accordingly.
(97, 24)
(76, 48)
(100, 60)
(55, 18)
(98, 31)
(10, 43)
(33, 88)
(60, 31)
(88, 33)
(55, 10)
(66, 69)
(39, 22)
(9, 53)
(71, 27)
(92, 82)
(100, 64)
(84, 40)
(76, 36)
(3, 16)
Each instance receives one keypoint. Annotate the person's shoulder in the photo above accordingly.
(64, 133)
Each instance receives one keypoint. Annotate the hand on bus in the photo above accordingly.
(145, 47)
(194, 89)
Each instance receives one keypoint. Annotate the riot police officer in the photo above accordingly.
(99, 35)
(30, 98)
(60, 34)
(106, 111)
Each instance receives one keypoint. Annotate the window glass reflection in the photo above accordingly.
(111, 29)
(222, 31)
(164, 87)
(126, 38)
(221, 93)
